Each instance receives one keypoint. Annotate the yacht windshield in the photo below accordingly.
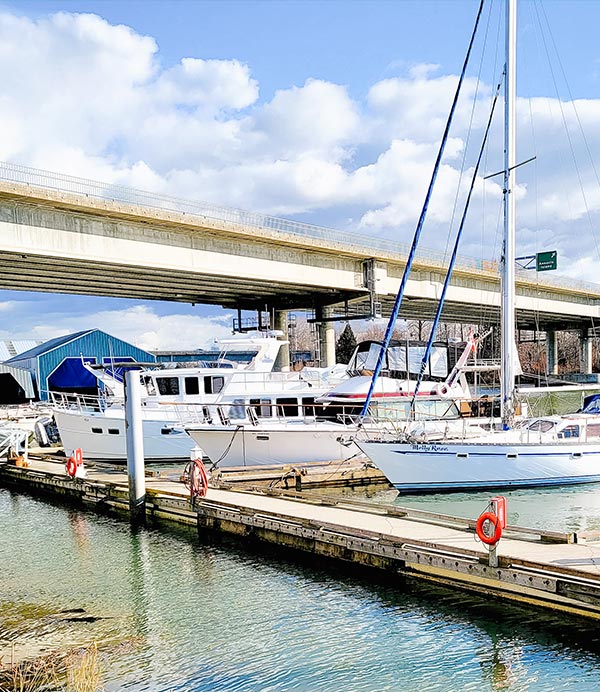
(541, 425)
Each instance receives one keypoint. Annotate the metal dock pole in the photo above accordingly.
(135, 447)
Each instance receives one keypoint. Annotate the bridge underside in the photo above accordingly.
(46, 275)
(29, 272)
(461, 313)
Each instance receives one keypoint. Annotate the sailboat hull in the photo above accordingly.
(434, 467)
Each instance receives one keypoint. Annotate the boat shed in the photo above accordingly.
(57, 365)
(16, 384)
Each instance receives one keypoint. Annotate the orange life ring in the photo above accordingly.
(495, 521)
(71, 467)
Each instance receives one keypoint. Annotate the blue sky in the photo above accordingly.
(329, 112)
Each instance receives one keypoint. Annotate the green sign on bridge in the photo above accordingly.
(545, 261)
(542, 262)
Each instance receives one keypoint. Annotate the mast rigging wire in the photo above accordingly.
(400, 295)
(438, 313)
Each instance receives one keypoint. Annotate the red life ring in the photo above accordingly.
(495, 521)
(71, 467)
(196, 478)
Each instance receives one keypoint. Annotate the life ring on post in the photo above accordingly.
(495, 522)
(196, 478)
(71, 467)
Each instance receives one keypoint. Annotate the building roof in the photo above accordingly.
(49, 345)
(10, 349)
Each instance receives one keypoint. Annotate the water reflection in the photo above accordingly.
(179, 615)
(78, 522)
(574, 508)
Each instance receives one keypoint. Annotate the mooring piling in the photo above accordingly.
(135, 447)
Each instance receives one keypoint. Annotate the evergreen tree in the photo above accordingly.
(345, 345)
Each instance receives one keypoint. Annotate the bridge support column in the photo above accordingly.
(586, 352)
(326, 338)
(282, 364)
(552, 352)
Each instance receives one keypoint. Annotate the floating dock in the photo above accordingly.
(560, 571)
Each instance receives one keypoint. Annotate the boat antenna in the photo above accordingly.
(413, 249)
(438, 314)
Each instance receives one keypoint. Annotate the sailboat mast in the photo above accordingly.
(508, 264)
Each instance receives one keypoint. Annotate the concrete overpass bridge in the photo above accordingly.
(63, 234)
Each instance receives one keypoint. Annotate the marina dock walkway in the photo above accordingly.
(548, 569)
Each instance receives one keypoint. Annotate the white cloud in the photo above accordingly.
(212, 85)
(318, 118)
(142, 327)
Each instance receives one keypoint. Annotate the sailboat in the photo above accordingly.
(557, 450)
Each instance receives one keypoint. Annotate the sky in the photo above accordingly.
(329, 112)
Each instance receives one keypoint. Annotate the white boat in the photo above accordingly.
(546, 451)
(296, 431)
(97, 424)
(556, 450)
(276, 443)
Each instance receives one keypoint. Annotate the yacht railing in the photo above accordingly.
(264, 381)
(382, 417)
(83, 403)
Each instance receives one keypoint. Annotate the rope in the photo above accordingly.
(226, 452)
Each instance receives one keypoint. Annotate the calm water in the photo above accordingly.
(569, 509)
(179, 615)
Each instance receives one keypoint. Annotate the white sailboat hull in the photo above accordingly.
(101, 437)
(282, 444)
(462, 466)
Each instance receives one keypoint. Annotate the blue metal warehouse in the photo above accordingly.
(56, 365)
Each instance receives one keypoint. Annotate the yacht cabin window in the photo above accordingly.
(287, 407)
(168, 386)
(237, 409)
(308, 406)
(150, 388)
(569, 431)
(593, 430)
(192, 386)
(213, 385)
(541, 425)
(262, 407)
